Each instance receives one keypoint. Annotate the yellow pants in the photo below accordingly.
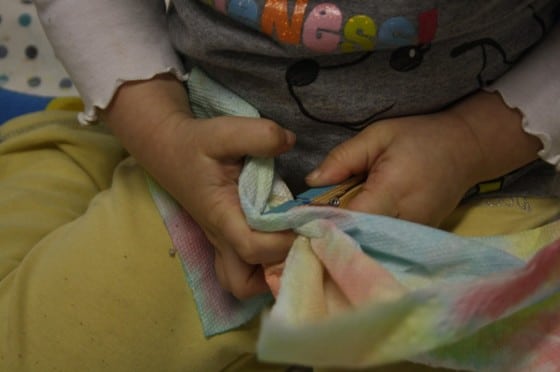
(86, 281)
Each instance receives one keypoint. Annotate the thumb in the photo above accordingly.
(250, 136)
(376, 197)
(352, 157)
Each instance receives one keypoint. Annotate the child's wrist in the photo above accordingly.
(497, 129)
(147, 116)
(150, 102)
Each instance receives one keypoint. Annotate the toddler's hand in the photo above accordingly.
(198, 162)
(419, 167)
(209, 155)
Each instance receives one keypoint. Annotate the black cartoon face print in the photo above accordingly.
(412, 43)
(487, 44)
(408, 57)
(305, 72)
(405, 58)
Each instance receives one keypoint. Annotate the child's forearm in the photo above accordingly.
(139, 109)
(503, 145)
(143, 114)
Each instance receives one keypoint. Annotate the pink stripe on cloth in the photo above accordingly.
(219, 311)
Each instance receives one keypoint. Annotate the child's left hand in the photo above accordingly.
(419, 167)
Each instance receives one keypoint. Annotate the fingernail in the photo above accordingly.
(290, 137)
(313, 175)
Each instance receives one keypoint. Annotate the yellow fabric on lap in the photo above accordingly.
(501, 215)
(87, 283)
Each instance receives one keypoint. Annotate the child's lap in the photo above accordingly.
(87, 281)
(502, 215)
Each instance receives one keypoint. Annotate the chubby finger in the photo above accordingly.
(238, 137)
(352, 157)
(375, 198)
(240, 251)
(237, 277)
(225, 224)
(256, 247)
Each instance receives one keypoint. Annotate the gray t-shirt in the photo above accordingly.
(328, 69)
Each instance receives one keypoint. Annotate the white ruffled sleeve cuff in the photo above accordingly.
(533, 87)
(105, 43)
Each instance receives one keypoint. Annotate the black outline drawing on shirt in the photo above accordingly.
(409, 57)
(305, 72)
(485, 43)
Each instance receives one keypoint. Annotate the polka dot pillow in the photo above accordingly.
(27, 62)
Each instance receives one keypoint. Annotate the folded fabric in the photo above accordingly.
(363, 290)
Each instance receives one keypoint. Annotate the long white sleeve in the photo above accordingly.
(533, 86)
(104, 43)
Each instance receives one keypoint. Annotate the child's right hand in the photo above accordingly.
(207, 161)
(198, 161)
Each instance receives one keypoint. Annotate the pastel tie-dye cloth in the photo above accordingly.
(363, 290)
